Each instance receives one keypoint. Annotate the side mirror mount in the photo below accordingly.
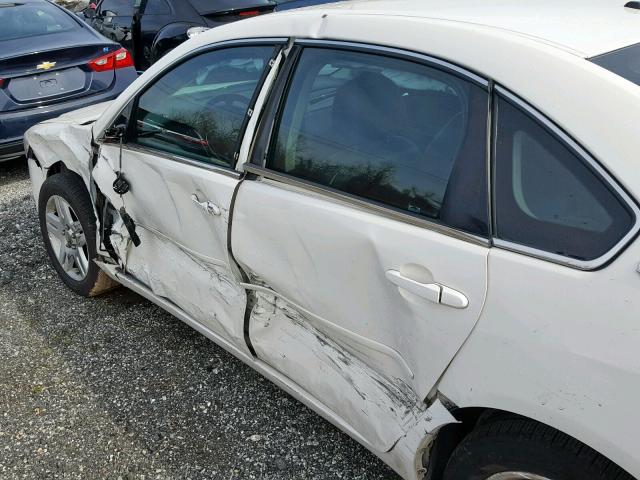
(115, 133)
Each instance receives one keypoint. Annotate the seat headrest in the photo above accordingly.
(370, 104)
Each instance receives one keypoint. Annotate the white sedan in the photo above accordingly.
(419, 218)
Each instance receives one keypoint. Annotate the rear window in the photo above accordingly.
(624, 62)
(31, 19)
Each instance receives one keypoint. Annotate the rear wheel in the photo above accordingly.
(520, 449)
(68, 227)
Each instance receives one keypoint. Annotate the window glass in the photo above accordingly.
(624, 62)
(117, 8)
(197, 109)
(549, 198)
(388, 130)
(29, 19)
(157, 7)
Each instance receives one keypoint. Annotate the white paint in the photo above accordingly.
(560, 346)
(404, 458)
(83, 115)
(330, 259)
(37, 175)
(286, 340)
(594, 105)
(183, 253)
(62, 142)
(588, 27)
(245, 147)
(552, 343)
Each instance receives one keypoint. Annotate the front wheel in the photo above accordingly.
(521, 449)
(68, 227)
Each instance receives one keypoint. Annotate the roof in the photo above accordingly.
(585, 27)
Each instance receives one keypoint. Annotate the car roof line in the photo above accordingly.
(515, 33)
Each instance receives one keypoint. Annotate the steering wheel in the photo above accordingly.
(230, 102)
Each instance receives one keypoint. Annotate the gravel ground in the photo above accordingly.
(114, 387)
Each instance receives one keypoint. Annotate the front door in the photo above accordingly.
(183, 134)
(364, 233)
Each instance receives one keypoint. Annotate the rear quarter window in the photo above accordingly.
(624, 62)
(549, 198)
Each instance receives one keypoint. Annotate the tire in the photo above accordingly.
(68, 227)
(513, 448)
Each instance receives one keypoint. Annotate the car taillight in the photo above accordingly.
(112, 61)
(1, 82)
(249, 13)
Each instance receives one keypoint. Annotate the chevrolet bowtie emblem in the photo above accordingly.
(46, 65)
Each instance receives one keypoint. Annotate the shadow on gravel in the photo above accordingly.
(115, 387)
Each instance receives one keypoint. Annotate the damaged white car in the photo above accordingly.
(418, 218)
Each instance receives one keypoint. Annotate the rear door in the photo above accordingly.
(364, 231)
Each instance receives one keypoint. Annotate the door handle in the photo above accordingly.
(429, 291)
(433, 292)
(208, 207)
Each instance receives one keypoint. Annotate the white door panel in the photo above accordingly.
(183, 252)
(328, 262)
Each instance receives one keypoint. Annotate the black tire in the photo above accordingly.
(71, 188)
(515, 444)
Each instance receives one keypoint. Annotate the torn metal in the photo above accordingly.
(204, 288)
(67, 139)
(285, 339)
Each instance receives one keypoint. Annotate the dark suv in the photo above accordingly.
(151, 28)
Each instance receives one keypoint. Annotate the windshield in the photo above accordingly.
(625, 62)
(30, 19)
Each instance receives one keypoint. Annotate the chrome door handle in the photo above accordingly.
(433, 292)
(208, 207)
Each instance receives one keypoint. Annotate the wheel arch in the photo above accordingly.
(449, 436)
(55, 168)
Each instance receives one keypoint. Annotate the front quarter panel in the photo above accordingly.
(560, 346)
(69, 143)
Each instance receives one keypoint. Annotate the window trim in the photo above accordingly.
(264, 135)
(428, 60)
(180, 159)
(278, 43)
(609, 181)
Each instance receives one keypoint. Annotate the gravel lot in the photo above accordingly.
(114, 387)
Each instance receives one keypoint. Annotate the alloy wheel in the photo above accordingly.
(67, 238)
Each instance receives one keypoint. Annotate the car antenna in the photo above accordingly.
(633, 4)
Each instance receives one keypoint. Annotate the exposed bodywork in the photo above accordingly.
(254, 272)
(67, 139)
